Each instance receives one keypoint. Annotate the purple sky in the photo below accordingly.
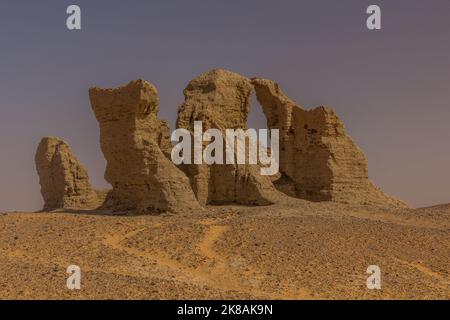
(391, 87)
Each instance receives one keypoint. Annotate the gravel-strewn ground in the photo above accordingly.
(298, 250)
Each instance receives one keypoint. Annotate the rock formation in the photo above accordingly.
(64, 182)
(136, 146)
(318, 160)
(221, 100)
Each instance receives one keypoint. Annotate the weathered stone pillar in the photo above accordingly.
(136, 146)
(64, 182)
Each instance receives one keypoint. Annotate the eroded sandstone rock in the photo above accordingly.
(64, 182)
(137, 148)
(221, 100)
(318, 160)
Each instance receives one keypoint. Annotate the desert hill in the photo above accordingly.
(295, 250)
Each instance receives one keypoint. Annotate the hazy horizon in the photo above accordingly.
(390, 87)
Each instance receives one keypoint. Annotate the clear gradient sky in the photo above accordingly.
(390, 87)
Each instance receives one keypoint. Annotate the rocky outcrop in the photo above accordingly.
(318, 160)
(136, 146)
(221, 100)
(64, 182)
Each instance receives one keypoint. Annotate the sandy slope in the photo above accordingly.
(299, 250)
